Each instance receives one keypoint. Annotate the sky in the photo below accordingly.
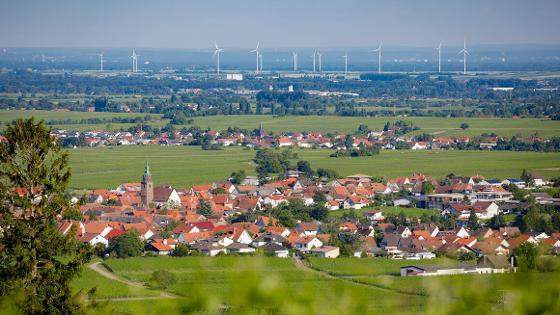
(196, 24)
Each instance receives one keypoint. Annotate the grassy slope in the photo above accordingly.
(185, 166)
(107, 287)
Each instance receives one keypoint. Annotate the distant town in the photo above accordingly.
(464, 218)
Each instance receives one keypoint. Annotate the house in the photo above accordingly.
(308, 228)
(441, 201)
(268, 238)
(166, 197)
(374, 215)
(93, 239)
(332, 205)
(355, 202)
(160, 248)
(276, 250)
(209, 248)
(514, 181)
(240, 248)
(326, 252)
(420, 145)
(437, 270)
(307, 243)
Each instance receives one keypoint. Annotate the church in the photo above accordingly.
(158, 197)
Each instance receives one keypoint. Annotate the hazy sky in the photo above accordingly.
(280, 23)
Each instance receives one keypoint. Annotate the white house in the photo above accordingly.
(326, 252)
(307, 243)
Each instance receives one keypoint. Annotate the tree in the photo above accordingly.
(204, 208)
(162, 279)
(319, 197)
(427, 188)
(304, 167)
(497, 222)
(33, 177)
(464, 126)
(127, 245)
(527, 256)
(237, 177)
(473, 220)
(467, 256)
(319, 212)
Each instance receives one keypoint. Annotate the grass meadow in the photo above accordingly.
(189, 165)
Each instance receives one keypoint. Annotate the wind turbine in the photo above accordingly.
(465, 52)
(320, 55)
(134, 58)
(314, 58)
(258, 52)
(101, 61)
(295, 55)
(260, 62)
(345, 62)
(217, 53)
(438, 48)
(379, 51)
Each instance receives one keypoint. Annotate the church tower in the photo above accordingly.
(147, 187)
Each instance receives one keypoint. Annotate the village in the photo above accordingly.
(393, 136)
(236, 219)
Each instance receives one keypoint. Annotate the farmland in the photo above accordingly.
(340, 286)
(189, 165)
(334, 124)
(250, 283)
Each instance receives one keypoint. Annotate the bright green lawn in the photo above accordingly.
(187, 165)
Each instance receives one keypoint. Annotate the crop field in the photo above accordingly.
(189, 165)
(442, 127)
(245, 283)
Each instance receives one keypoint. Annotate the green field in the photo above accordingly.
(246, 284)
(189, 165)
(410, 212)
(334, 124)
(260, 285)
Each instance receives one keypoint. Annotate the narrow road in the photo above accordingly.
(98, 267)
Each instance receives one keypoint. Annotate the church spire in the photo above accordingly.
(146, 172)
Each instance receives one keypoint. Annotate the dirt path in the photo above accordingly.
(98, 267)
(300, 264)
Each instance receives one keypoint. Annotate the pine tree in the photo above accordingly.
(33, 177)
(204, 208)
(473, 221)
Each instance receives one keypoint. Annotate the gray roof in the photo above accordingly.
(273, 248)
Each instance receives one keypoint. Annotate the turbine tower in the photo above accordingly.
(314, 59)
(320, 55)
(345, 62)
(217, 53)
(465, 52)
(260, 62)
(101, 61)
(438, 48)
(134, 58)
(295, 55)
(257, 51)
(379, 51)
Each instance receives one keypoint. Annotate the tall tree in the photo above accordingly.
(473, 220)
(33, 177)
